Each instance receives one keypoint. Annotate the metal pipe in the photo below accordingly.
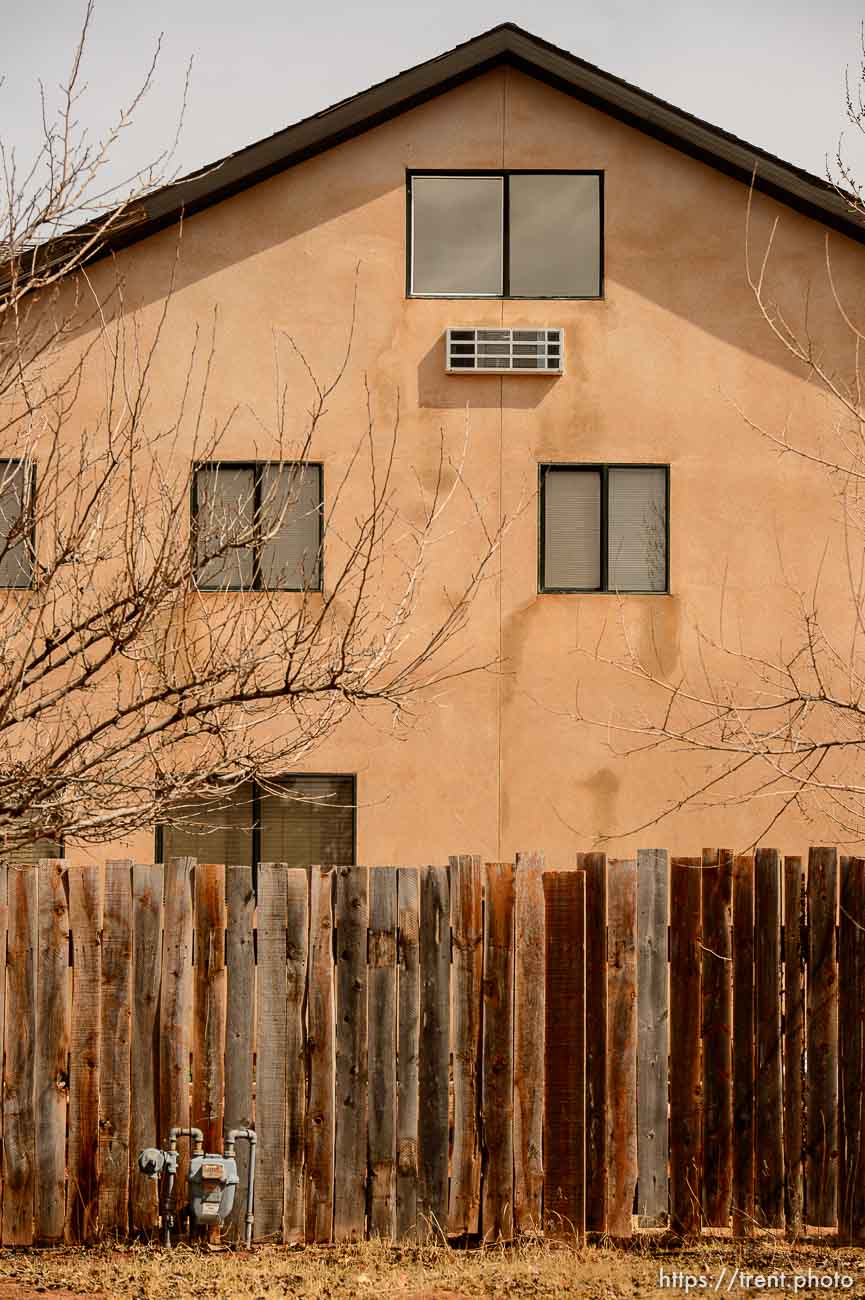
(248, 1135)
(194, 1133)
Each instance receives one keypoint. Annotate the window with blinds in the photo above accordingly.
(16, 525)
(508, 234)
(301, 820)
(604, 528)
(258, 526)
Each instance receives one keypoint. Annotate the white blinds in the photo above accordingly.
(572, 529)
(225, 510)
(637, 528)
(291, 505)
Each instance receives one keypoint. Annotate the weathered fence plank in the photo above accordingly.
(851, 1039)
(270, 1062)
(717, 1031)
(85, 923)
(209, 1004)
(297, 959)
(529, 1043)
(433, 1052)
(4, 928)
(743, 1046)
(19, 1101)
(239, 1026)
(52, 1051)
(466, 894)
(175, 1008)
(320, 1108)
(767, 974)
(794, 1044)
(622, 1046)
(144, 1130)
(408, 1050)
(595, 865)
(565, 1053)
(685, 1072)
(653, 1014)
(381, 1018)
(821, 1170)
(116, 1034)
(352, 921)
(498, 1053)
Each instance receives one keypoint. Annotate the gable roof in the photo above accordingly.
(504, 45)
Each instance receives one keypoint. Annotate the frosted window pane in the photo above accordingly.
(555, 236)
(457, 234)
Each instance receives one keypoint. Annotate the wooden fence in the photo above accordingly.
(474, 1049)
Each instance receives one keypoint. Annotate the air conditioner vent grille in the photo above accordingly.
(504, 351)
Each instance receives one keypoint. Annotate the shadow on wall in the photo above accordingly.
(441, 391)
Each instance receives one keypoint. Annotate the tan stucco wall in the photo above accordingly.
(658, 371)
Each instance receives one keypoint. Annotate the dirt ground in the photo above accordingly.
(647, 1267)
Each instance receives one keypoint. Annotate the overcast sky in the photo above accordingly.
(771, 71)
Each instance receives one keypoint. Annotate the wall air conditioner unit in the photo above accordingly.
(504, 351)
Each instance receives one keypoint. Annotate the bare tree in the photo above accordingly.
(125, 686)
(783, 729)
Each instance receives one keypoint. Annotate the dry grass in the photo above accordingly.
(378, 1271)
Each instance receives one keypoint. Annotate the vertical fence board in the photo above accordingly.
(297, 959)
(595, 865)
(821, 1173)
(270, 1063)
(622, 1046)
(408, 1051)
(319, 1115)
(653, 1010)
(717, 1032)
(352, 920)
(685, 1073)
(743, 1045)
(175, 1008)
(239, 1025)
(381, 1018)
(433, 1052)
(794, 1043)
(144, 1128)
(85, 923)
(116, 1042)
(851, 1038)
(767, 974)
(19, 1101)
(4, 929)
(52, 1051)
(209, 1005)
(498, 1053)
(466, 894)
(565, 1053)
(529, 1043)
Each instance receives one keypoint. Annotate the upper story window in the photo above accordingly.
(505, 234)
(17, 487)
(604, 528)
(258, 526)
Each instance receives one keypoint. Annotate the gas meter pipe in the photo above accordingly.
(245, 1135)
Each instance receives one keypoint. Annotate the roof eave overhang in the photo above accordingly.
(504, 45)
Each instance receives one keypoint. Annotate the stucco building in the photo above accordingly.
(599, 236)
